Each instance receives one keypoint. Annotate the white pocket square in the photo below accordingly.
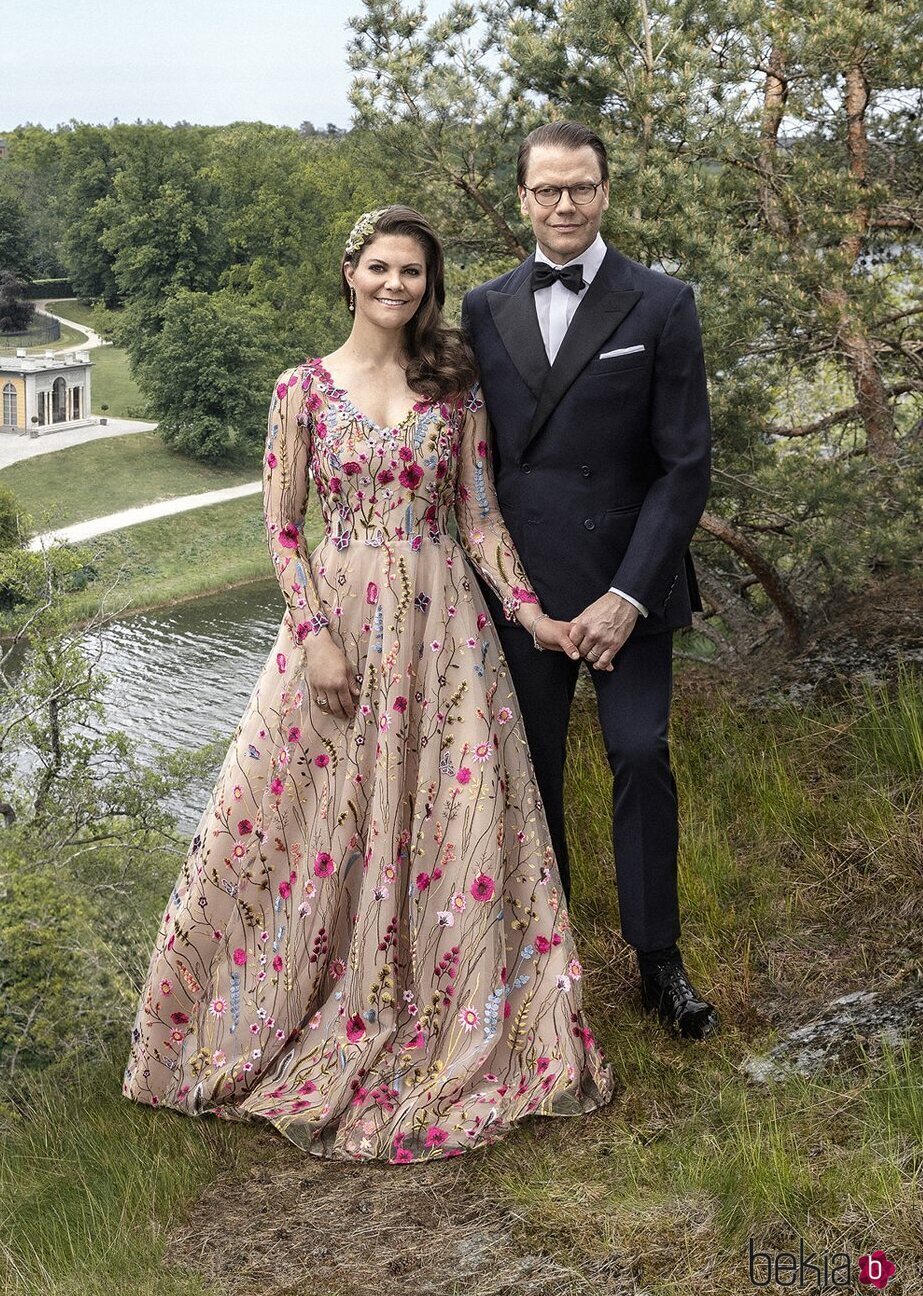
(607, 355)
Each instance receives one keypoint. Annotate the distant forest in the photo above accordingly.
(777, 168)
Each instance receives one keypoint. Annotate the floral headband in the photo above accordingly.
(363, 229)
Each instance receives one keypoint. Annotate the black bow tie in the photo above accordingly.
(544, 275)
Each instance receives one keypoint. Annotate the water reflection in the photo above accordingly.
(181, 676)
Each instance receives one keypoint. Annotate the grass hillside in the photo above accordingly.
(100, 477)
(802, 879)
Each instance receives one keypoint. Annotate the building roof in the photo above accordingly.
(26, 364)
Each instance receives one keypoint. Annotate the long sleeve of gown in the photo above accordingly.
(481, 530)
(286, 462)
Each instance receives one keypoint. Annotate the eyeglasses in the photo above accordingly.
(550, 195)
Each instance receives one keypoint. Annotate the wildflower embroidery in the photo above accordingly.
(352, 880)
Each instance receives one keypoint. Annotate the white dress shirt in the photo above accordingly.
(555, 307)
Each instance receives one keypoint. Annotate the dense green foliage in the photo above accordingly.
(85, 854)
(216, 251)
(773, 161)
(15, 311)
(15, 250)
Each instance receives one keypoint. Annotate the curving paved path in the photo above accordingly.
(143, 513)
(93, 338)
(15, 448)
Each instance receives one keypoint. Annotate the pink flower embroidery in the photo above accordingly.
(411, 476)
(323, 864)
(244, 827)
(355, 1029)
(482, 888)
(321, 760)
(371, 592)
(288, 536)
(400, 704)
(464, 775)
(240, 956)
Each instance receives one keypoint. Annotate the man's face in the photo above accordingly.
(567, 229)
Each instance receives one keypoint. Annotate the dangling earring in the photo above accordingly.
(352, 299)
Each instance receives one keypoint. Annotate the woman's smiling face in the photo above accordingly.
(389, 280)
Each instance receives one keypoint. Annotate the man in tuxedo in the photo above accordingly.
(594, 378)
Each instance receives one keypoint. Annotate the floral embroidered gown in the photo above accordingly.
(368, 945)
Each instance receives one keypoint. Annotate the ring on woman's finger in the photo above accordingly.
(321, 701)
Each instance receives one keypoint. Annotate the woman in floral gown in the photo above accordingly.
(368, 945)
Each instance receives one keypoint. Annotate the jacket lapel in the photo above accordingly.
(600, 312)
(517, 323)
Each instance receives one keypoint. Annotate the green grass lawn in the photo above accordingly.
(73, 308)
(111, 384)
(177, 557)
(801, 872)
(69, 338)
(100, 477)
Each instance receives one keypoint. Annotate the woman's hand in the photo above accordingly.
(333, 689)
(555, 635)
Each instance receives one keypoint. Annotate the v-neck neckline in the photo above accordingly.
(346, 400)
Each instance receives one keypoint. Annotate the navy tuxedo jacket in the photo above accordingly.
(602, 462)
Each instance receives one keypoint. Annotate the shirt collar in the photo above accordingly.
(591, 258)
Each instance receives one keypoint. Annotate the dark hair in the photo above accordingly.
(566, 134)
(440, 362)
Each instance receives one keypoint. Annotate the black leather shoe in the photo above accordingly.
(669, 992)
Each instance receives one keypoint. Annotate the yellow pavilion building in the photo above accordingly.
(38, 393)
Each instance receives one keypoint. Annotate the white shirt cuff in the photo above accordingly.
(634, 602)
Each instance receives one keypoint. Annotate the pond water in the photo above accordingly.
(179, 677)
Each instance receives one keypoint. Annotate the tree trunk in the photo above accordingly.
(771, 580)
(851, 336)
(775, 94)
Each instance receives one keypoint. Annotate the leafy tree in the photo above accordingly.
(31, 178)
(771, 203)
(15, 312)
(15, 251)
(14, 523)
(86, 848)
(160, 226)
(208, 372)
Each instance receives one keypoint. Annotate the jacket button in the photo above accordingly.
(585, 470)
(526, 467)
(590, 524)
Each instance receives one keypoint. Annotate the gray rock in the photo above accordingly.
(865, 1019)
